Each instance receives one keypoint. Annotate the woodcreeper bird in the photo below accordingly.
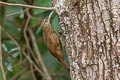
(51, 40)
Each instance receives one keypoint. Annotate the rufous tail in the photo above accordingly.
(64, 64)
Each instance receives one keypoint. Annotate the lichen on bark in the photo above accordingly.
(90, 32)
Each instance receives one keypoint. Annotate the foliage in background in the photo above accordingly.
(15, 63)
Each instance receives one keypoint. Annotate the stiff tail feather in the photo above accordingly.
(64, 64)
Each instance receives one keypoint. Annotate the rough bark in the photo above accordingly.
(90, 32)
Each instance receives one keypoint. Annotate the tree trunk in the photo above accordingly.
(90, 32)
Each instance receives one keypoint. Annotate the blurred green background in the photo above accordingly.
(13, 20)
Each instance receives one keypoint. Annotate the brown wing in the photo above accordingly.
(52, 42)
